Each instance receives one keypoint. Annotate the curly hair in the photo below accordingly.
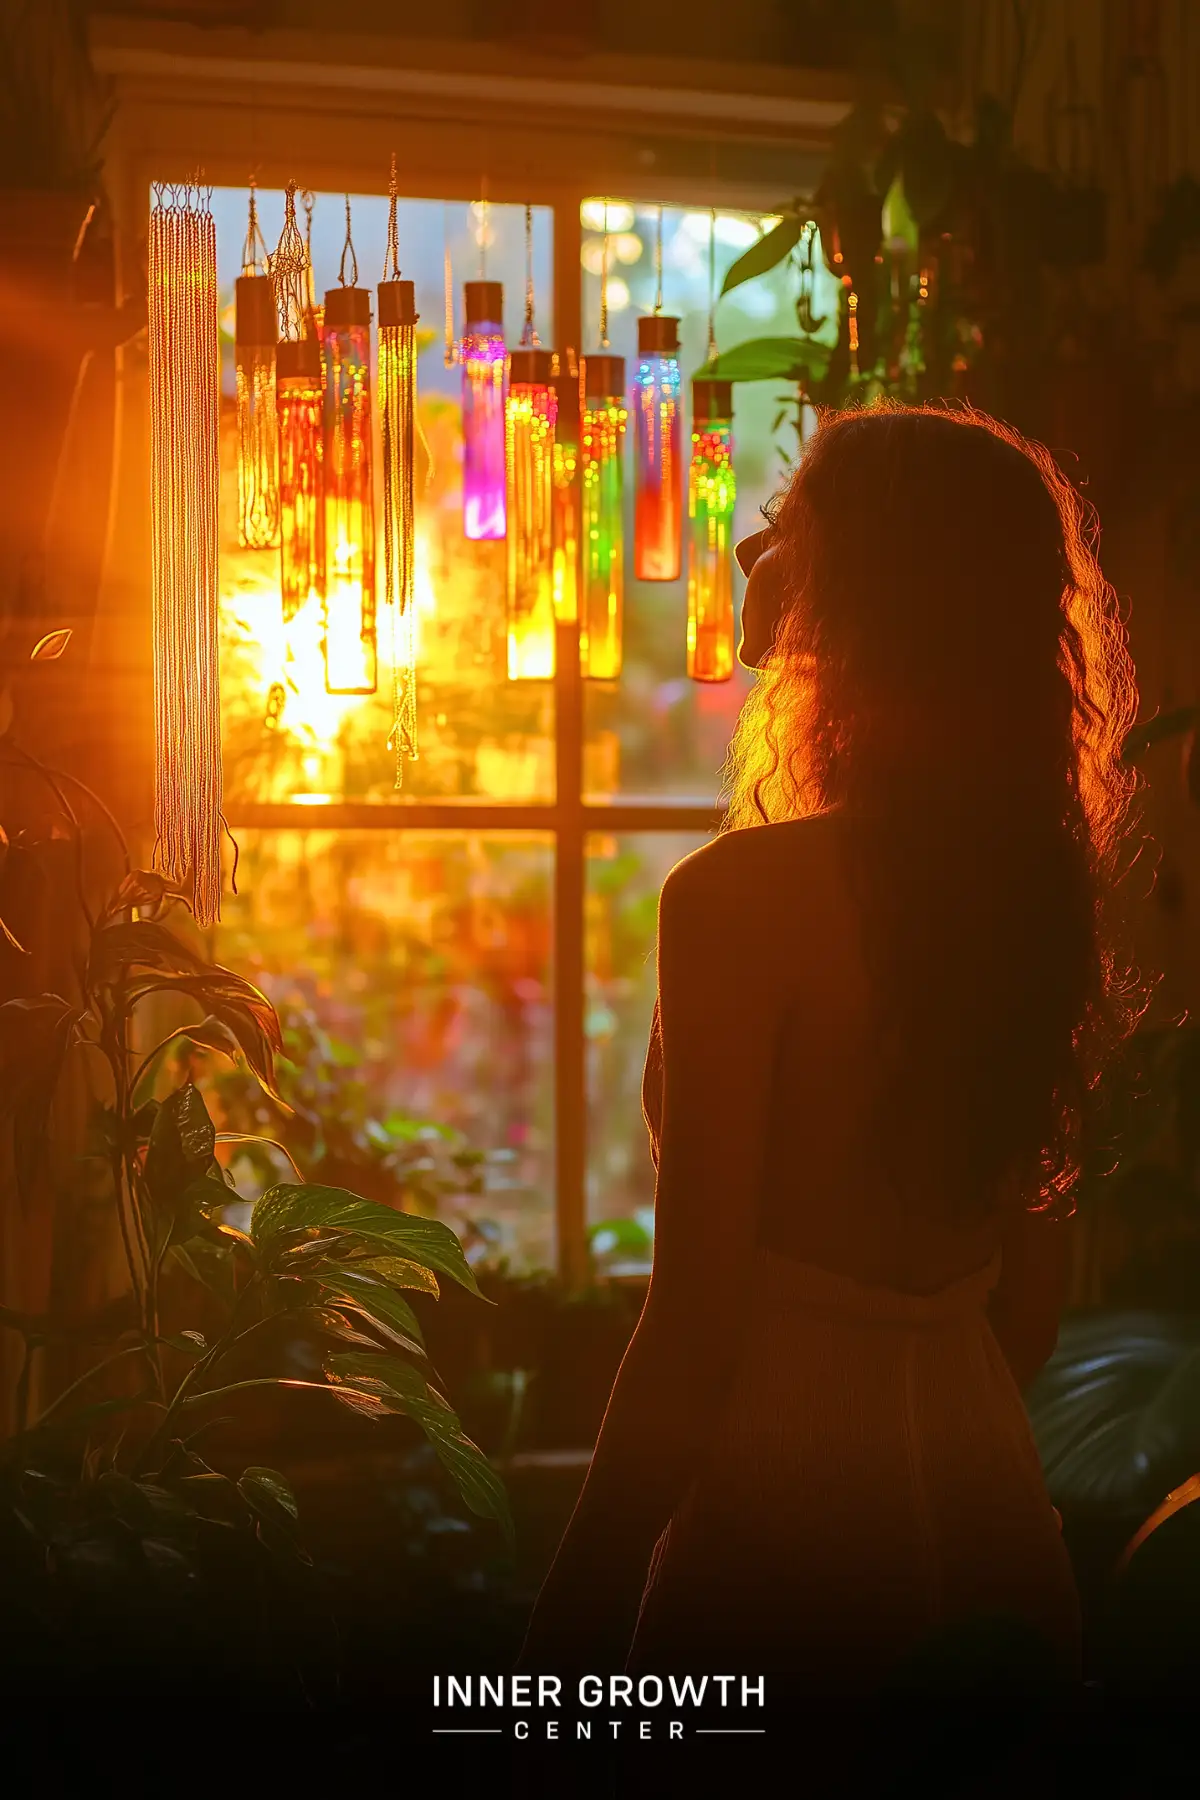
(950, 672)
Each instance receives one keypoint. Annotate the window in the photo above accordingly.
(481, 942)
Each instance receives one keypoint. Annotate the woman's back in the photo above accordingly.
(827, 1199)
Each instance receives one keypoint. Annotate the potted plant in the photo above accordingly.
(134, 1530)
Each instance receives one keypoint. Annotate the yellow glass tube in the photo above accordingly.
(712, 493)
(602, 455)
(531, 408)
(351, 651)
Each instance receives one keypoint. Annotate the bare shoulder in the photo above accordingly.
(769, 868)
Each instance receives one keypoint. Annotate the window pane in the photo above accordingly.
(654, 732)
(412, 973)
(624, 875)
(481, 736)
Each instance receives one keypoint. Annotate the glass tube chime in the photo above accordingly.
(658, 500)
(483, 357)
(602, 460)
(351, 649)
(397, 416)
(298, 400)
(531, 408)
(254, 333)
(711, 495)
(565, 499)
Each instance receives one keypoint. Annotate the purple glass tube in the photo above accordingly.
(482, 355)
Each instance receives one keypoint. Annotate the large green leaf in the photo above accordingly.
(237, 1003)
(767, 253)
(1115, 1410)
(404, 1389)
(287, 1208)
(770, 359)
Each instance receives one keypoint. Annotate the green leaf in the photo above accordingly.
(236, 1003)
(179, 1155)
(51, 647)
(285, 1209)
(770, 359)
(406, 1390)
(189, 1343)
(378, 1301)
(273, 1503)
(768, 253)
(398, 1272)
(128, 944)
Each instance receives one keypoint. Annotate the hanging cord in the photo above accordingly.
(529, 336)
(449, 354)
(290, 266)
(391, 259)
(254, 250)
(485, 219)
(658, 264)
(604, 345)
(348, 250)
(712, 284)
(309, 199)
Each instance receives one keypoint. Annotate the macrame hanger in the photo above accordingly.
(391, 260)
(529, 336)
(712, 284)
(604, 250)
(348, 251)
(254, 250)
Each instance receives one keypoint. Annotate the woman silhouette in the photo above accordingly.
(881, 1011)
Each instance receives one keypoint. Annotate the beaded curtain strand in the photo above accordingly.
(184, 355)
(397, 411)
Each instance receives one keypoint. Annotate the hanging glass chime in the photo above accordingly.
(482, 355)
(184, 363)
(602, 456)
(530, 412)
(711, 495)
(351, 650)
(397, 416)
(658, 430)
(565, 500)
(298, 400)
(254, 335)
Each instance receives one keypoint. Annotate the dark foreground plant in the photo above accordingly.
(109, 1485)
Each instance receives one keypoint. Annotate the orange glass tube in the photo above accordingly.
(299, 404)
(712, 492)
(351, 651)
(530, 411)
(658, 433)
(602, 457)
(254, 332)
